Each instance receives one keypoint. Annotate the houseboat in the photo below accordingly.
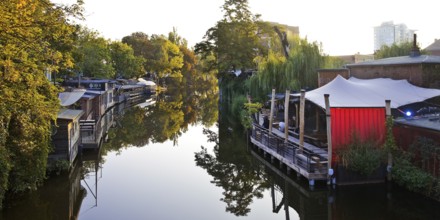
(319, 122)
(66, 137)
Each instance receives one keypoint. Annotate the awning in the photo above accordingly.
(69, 98)
(369, 93)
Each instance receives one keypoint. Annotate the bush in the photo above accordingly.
(58, 166)
(361, 157)
(405, 174)
(5, 168)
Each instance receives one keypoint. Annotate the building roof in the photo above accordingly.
(428, 122)
(399, 61)
(434, 46)
(369, 93)
(69, 114)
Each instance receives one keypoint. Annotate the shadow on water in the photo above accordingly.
(59, 198)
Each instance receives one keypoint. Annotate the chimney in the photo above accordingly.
(415, 51)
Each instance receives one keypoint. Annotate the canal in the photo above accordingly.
(180, 157)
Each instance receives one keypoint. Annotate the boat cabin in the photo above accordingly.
(66, 139)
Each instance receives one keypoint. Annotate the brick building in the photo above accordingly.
(419, 70)
(434, 48)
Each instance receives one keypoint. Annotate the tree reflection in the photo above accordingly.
(233, 169)
(176, 109)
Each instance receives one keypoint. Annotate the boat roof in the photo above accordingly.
(69, 114)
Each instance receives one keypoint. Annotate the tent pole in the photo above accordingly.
(329, 138)
(286, 116)
(272, 106)
(301, 120)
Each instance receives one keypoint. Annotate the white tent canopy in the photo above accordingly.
(146, 82)
(369, 93)
(69, 98)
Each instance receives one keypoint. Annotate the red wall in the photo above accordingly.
(367, 123)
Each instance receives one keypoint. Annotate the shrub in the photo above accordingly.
(361, 157)
(405, 174)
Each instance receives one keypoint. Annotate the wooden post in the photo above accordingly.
(317, 120)
(329, 138)
(272, 106)
(286, 116)
(296, 115)
(302, 102)
(390, 157)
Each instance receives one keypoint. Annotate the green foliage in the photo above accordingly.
(390, 143)
(362, 157)
(395, 50)
(165, 59)
(33, 37)
(235, 40)
(411, 177)
(294, 73)
(249, 111)
(162, 56)
(425, 153)
(92, 55)
(5, 168)
(58, 167)
(125, 63)
(331, 62)
(237, 104)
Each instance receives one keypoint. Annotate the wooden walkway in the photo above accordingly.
(310, 162)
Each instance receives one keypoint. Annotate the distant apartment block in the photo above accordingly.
(389, 33)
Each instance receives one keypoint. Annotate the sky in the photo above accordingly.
(344, 27)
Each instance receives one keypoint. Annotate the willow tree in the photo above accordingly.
(296, 72)
(32, 35)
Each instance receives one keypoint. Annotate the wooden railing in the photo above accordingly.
(308, 159)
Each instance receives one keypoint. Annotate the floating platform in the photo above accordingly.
(310, 161)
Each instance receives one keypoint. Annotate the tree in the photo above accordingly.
(235, 40)
(92, 55)
(298, 71)
(395, 50)
(125, 63)
(140, 42)
(32, 35)
(176, 39)
(165, 58)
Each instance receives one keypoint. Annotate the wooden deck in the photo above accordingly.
(310, 162)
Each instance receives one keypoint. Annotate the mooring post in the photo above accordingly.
(301, 120)
(286, 116)
(390, 156)
(272, 106)
(329, 139)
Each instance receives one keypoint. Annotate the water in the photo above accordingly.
(169, 161)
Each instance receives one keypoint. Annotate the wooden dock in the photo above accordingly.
(310, 162)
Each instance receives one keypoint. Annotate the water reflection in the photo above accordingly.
(232, 168)
(247, 183)
(59, 198)
(240, 182)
